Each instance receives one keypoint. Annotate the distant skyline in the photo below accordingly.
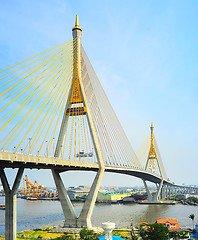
(145, 54)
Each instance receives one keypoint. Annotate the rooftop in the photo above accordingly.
(172, 224)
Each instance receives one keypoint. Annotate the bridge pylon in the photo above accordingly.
(77, 105)
(154, 165)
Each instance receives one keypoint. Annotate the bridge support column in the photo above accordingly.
(84, 219)
(147, 191)
(67, 206)
(10, 204)
(173, 190)
(163, 191)
(85, 215)
(158, 193)
(168, 191)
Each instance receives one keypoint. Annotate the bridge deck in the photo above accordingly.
(16, 160)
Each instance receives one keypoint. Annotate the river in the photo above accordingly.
(35, 214)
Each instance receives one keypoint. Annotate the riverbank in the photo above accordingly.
(61, 233)
(58, 232)
(42, 233)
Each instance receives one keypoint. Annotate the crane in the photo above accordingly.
(33, 190)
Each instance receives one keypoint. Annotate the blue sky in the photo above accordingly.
(145, 54)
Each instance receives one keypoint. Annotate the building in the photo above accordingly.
(171, 224)
(111, 196)
(75, 192)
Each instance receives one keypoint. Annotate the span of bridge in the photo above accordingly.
(59, 95)
(14, 160)
(17, 160)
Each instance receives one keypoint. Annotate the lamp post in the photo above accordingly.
(29, 143)
(53, 146)
(46, 149)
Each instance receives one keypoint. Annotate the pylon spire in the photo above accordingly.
(152, 153)
(77, 24)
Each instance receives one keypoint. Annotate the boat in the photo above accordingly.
(32, 198)
(2, 207)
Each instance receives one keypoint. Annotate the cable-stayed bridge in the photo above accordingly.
(55, 115)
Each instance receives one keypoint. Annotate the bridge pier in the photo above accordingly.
(150, 198)
(10, 204)
(164, 191)
(168, 191)
(84, 219)
(158, 193)
(85, 215)
(67, 206)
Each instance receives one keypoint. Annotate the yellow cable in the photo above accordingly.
(32, 123)
(71, 133)
(63, 104)
(33, 56)
(48, 128)
(39, 126)
(20, 122)
(75, 140)
(30, 95)
(53, 134)
(65, 137)
(62, 48)
(53, 116)
(57, 147)
(85, 135)
(54, 131)
(79, 134)
(17, 112)
(19, 125)
(57, 109)
(47, 61)
(82, 136)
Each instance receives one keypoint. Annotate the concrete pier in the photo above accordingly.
(10, 204)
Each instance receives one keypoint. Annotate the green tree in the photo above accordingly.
(154, 232)
(192, 217)
(175, 235)
(87, 234)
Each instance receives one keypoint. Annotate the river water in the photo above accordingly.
(35, 214)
